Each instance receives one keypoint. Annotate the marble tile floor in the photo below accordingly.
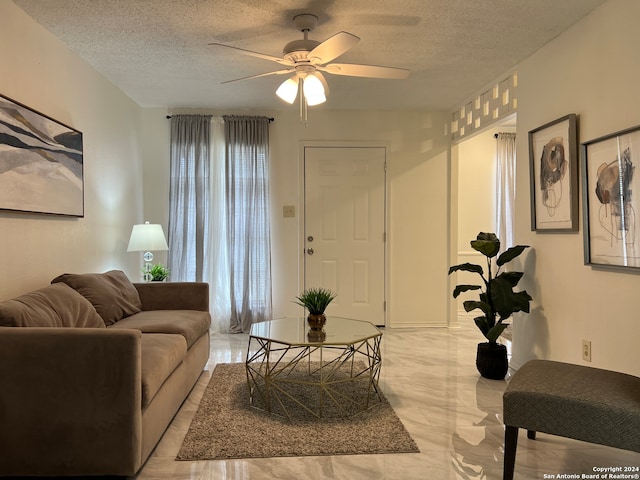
(453, 414)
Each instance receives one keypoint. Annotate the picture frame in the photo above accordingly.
(41, 162)
(610, 200)
(553, 170)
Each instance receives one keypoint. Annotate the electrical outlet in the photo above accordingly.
(586, 350)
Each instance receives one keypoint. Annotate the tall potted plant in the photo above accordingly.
(497, 301)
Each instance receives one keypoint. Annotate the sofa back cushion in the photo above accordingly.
(111, 293)
(53, 306)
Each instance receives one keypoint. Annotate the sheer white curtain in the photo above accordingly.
(216, 267)
(505, 188)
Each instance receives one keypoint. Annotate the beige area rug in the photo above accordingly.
(226, 426)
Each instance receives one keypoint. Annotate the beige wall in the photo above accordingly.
(591, 70)
(38, 71)
(416, 182)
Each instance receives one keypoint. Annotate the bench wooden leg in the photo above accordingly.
(510, 445)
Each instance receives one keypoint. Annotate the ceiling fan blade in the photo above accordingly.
(372, 71)
(277, 72)
(332, 47)
(264, 56)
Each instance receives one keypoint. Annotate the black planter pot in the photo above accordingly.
(491, 360)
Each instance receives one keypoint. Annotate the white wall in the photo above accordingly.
(417, 178)
(40, 72)
(591, 70)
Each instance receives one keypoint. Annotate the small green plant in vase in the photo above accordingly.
(497, 300)
(158, 273)
(316, 300)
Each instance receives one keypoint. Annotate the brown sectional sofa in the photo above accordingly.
(93, 368)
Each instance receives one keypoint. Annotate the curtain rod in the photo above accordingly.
(271, 119)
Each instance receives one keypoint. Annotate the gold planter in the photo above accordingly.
(316, 322)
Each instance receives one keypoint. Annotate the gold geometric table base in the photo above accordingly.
(322, 380)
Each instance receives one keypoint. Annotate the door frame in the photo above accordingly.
(301, 188)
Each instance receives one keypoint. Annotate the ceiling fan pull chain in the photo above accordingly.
(304, 108)
(301, 95)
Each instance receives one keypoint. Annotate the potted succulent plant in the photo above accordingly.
(497, 301)
(316, 300)
(158, 273)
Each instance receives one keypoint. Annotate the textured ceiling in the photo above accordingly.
(157, 51)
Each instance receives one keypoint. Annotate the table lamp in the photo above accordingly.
(147, 237)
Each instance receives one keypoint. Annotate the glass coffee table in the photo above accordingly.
(295, 372)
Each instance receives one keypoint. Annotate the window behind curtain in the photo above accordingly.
(250, 193)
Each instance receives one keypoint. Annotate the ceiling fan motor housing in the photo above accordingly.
(298, 49)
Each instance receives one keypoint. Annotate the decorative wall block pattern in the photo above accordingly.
(492, 105)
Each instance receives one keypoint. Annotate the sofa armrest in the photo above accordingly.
(174, 295)
(70, 401)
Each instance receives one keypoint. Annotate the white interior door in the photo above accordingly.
(344, 228)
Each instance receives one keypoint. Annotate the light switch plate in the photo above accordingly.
(289, 211)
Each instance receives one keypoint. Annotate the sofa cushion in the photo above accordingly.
(191, 324)
(161, 355)
(53, 306)
(111, 293)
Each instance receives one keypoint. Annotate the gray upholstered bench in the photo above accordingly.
(583, 403)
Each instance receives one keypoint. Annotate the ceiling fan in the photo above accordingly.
(306, 59)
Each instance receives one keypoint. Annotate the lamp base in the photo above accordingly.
(148, 258)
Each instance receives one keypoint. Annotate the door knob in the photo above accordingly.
(310, 251)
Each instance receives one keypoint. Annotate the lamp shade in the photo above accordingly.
(147, 237)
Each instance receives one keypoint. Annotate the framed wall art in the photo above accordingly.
(41, 163)
(610, 193)
(553, 165)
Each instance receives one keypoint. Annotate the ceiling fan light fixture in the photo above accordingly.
(306, 59)
(288, 90)
(313, 90)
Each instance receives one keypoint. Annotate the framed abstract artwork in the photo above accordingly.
(553, 166)
(610, 193)
(41, 163)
